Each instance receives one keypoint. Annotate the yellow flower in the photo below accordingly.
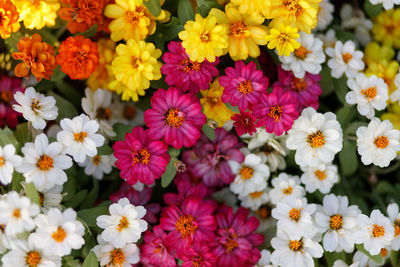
(213, 107)
(245, 31)
(246, 6)
(103, 74)
(386, 28)
(134, 66)
(37, 13)
(204, 39)
(393, 115)
(374, 53)
(283, 39)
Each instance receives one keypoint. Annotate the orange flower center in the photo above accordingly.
(245, 87)
(174, 117)
(117, 257)
(185, 225)
(189, 65)
(123, 224)
(336, 222)
(301, 52)
(294, 214)
(142, 157)
(41, 198)
(17, 213)
(45, 163)
(133, 17)
(288, 190)
(6, 96)
(381, 142)
(59, 235)
(369, 93)
(316, 139)
(256, 194)
(275, 113)
(299, 84)
(35, 105)
(264, 212)
(33, 258)
(205, 37)
(397, 227)
(129, 112)
(347, 57)
(378, 231)
(104, 114)
(384, 252)
(238, 30)
(81, 55)
(135, 62)
(321, 175)
(197, 261)
(246, 173)
(80, 137)
(2, 161)
(213, 100)
(296, 245)
(2, 228)
(230, 245)
(96, 160)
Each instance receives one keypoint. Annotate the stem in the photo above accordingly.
(388, 169)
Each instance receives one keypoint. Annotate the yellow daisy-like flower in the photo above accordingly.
(386, 29)
(246, 6)
(204, 39)
(374, 53)
(103, 74)
(283, 38)
(134, 66)
(393, 115)
(37, 13)
(213, 107)
(245, 31)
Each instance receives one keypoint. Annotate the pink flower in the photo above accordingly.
(235, 243)
(154, 251)
(244, 123)
(198, 256)
(307, 90)
(141, 157)
(243, 85)
(8, 87)
(193, 222)
(175, 117)
(209, 159)
(185, 74)
(276, 111)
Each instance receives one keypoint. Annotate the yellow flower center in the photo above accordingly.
(123, 224)
(45, 163)
(238, 30)
(378, 231)
(80, 137)
(294, 214)
(2, 161)
(33, 258)
(264, 212)
(230, 245)
(117, 257)
(190, 65)
(296, 245)
(301, 52)
(347, 57)
(316, 139)
(256, 194)
(104, 114)
(245, 87)
(205, 37)
(174, 117)
(133, 17)
(293, 7)
(185, 225)
(381, 142)
(59, 235)
(369, 93)
(288, 190)
(6, 96)
(321, 175)
(142, 156)
(246, 173)
(35, 105)
(275, 113)
(96, 160)
(17, 213)
(135, 62)
(336, 222)
(299, 84)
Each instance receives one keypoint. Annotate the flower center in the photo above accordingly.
(378, 231)
(238, 30)
(294, 214)
(321, 175)
(283, 38)
(213, 100)
(316, 139)
(246, 173)
(96, 160)
(347, 57)
(295, 245)
(174, 117)
(2, 228)
(117, 257)
(230, 244)
(384, 252)
(245, 87)
(301, 52)
(81, 55)
(6, 96)
(41, 198)
(45, 163)
(80, 137)
(185, 225)
(336, 222)
(275, 113)
(369, 93)
(104, 114)
(142, 157)
(381, 142)
(17, 213)
(129, 112)
(123, 224)
(288, 190)
(293, 7)
(299, 84)
(189, 65)
(256, 194)
(2, 161)
(397, 227)
(133, 17)
(264, 212)
(33, 258)
(35, 105)
(197, 261)
(135, 62)
(59, 235)
(205, 37)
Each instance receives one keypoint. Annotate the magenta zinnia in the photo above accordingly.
(140, 157)
(154, 251)
(244, 123)
(8, 87)
(176, 117)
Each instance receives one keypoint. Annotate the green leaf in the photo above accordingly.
(204, 7)
(153, 6)
(331, 257)
(208, 131)
(77, 199)
(121, 129)
(345, 115)
(344, 36)
(89, 215)
(22, 133)
(91, 260)
(348, 158)
(92, 196)
(90, 32)
(233, 108)
(352, 128)
(65, 108)
(69, 188)
(169, 173)
(71, 93)
(326, 81)
(58, 74)
(340, 86)
(377, 258)
(372, 10)
(7, 137)
(173, 152)
(104, 150)
(32, 193)
(13, 40)
(16, 181)
(185, 11)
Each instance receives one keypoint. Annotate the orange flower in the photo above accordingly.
(82, 15)
(78, 57)
(103, 74)
(8, 18)
(38, 58)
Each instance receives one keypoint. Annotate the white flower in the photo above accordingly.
(36, 107)
(79, 137)
(395, 95)
(291, 251)
(307, 58)
(124, 224)
(340, 263)
(375, 232)
(284, 186)
(321, 177)
(16, 213)
(355, 19)
(28, 254)
(254, 200)
(126, 112)
(44, 163)
(251, 175)
(387, 4)
(368, 93)
(98, 165)
(316, 137)
(325, 16)
(329, 38)
(8, 162)
(345, 59)
(110, 256)
(378, 143)
(364, 260)
(51, 198)
(338, 221)
(58, 233)
(294, 215)
(394, 217)
(265, 260)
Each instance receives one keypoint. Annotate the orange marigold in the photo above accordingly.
(78, 57)
(38, 58)
(8, 18)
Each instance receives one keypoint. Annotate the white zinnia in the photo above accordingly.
(265, 260)
(254, 200)
(321, 177)
(325, 14)
(387, 4)
(110, 256)
(354, 19)
(8, 162)
(285, 185)
(51, 198)
(364, 260)
(395, 95)
(36, 107)
(394, 217)
(98, 165)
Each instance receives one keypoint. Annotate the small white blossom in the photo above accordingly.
(325, 14)
(265, 260)
(51, 198)
(254, 200)
(284, 186)
(354, 19)
(321, 177)
(111, 256)
(8, 162)
(98, 165)
(387, 4)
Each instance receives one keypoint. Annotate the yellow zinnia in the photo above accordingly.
(283, 38)
(245, 31)
(386, 29)
(204, 39)
(134, 66)
(103, 74)
(37, 13)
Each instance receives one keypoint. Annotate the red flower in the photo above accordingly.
(154, 251)
(244, 123)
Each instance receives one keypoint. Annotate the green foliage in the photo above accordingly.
(65, 108)
(185, 11)
(32, 193)
(153, 6)
(348, 158)
(91, 260)
(208, 131)
(377, 258)
(90, 32)
(169, 173)
(89, 215)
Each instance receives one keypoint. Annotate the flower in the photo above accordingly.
(141, 157)
(8, 18)
(98, 165)
(345, 59)
(35, 107)
(243, 85)
(212, 104)
(368, 93)
(384, 28)
(199, 254)
(38, 58)
(321, 177)
(265, 260)
(387, 4)
(235, 240)
(338, 222)
(111, 256)
(8, 162)
(154, 249)
(204, 39)
(44, 163)
(316, 137)
(306, 58)
(78, 57)
(378, 143)
(255, 200)
(50, 198)
(285, 185)
(375, 232)
(394, 217)
(37, 14)
(8, 87)
(17, 213)
(185, 74)
(244, 123)
(134, 66)
(175, 117)
(395, 95)
(340, 263)
(276, 111)
(208, 159)
(325, 14)
(355, 19)
(245, 31)
(79, 137)
(284, 39)
(362, 259)
(124, 224)
(57, 232)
